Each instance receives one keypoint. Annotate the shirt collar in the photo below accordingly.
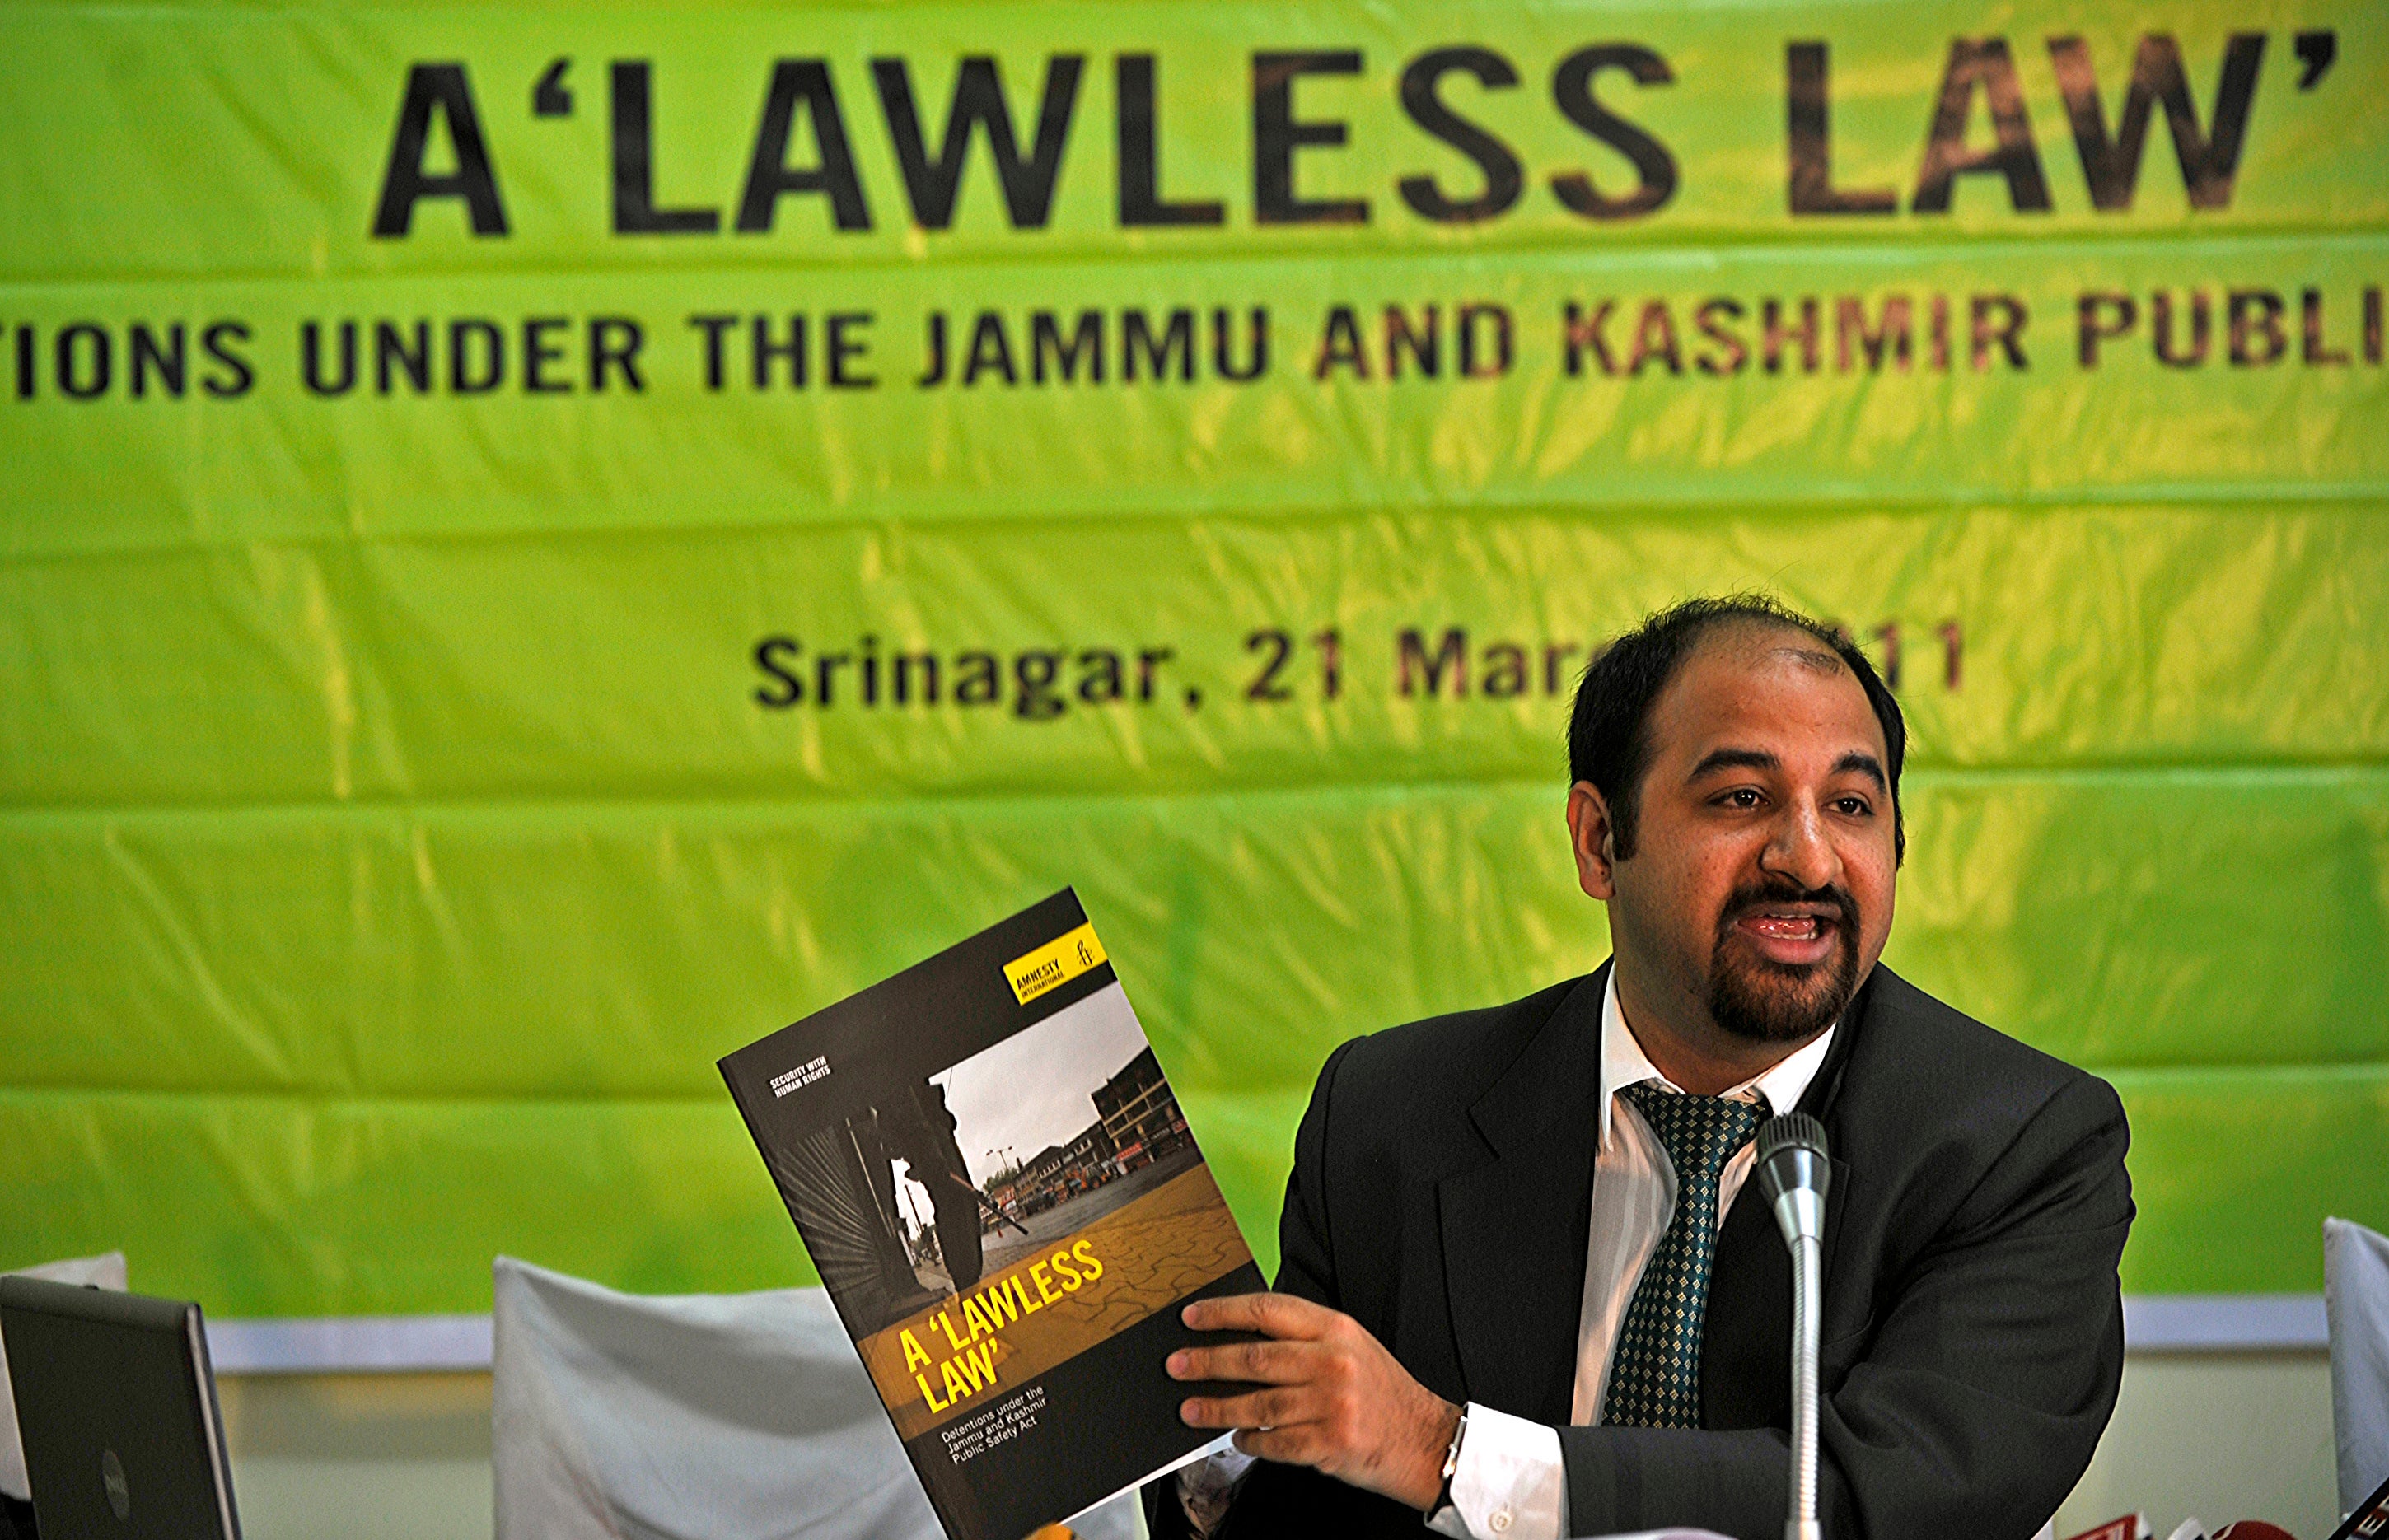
(1624, 1063)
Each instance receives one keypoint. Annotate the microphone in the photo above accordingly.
(1793, 1173)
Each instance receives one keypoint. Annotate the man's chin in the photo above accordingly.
(1771, 1002)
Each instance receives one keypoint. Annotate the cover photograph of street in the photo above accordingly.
(1061, 1125)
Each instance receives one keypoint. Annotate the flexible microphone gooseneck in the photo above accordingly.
(1793, 1173)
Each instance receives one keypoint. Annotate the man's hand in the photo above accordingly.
(1335, 1399)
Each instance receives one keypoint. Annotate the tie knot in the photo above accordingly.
(1701, 1132)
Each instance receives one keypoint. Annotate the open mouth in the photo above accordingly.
(1786, 927)
(1796, 933)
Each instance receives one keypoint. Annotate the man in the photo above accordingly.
(1518, 1297)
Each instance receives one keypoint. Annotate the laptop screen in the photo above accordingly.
(116, 1408)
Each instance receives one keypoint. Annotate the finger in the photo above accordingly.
(1266, 1363)
(1274, 1314)
(1292, 1446)
(1269, 1408)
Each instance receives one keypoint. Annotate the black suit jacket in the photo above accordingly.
(1972, 1322)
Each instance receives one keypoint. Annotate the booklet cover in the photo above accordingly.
(1000, 1192)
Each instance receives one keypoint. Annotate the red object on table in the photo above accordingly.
(2131, 1526)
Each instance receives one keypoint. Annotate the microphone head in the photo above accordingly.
(1789, 1128)
(1792, 1156)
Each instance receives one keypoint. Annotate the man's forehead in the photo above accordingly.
(1809, 655)
(1755, 638)
(1770, 679)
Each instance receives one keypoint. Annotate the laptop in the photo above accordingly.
(116, 1407)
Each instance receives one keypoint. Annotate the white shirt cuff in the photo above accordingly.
(1508, 1483)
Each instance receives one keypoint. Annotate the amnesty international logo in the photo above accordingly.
(1053, 964)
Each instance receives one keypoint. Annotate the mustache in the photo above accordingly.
(1752, 897)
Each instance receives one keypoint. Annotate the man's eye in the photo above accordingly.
(1742, 797)
(1855, 807)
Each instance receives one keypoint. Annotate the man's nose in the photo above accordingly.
(1800, 851)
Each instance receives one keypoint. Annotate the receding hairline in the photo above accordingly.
(1750, 648)
(1808, 650)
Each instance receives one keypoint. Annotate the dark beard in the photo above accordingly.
(1767, 1002)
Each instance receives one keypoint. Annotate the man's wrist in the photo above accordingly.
(1451, 1465)
(1439, 1449)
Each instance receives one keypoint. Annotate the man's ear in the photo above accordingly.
(1590, 833)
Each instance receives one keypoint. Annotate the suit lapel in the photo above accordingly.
(1513, 1227)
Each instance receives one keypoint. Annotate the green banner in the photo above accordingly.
(541, 543)
(207, 140)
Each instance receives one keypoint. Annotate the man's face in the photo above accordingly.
(1760, 886)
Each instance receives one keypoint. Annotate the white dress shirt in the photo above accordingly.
(1509, 1482)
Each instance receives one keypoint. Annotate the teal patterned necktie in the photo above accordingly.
(1655, 1376)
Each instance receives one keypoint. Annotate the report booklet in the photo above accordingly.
(1004, 1202)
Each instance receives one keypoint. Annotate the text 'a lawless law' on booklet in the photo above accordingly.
(1000, 1192)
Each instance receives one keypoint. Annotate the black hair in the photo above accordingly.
(1609, 731)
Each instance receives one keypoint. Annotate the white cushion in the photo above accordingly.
(2356, 1294)
(697, 1417)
